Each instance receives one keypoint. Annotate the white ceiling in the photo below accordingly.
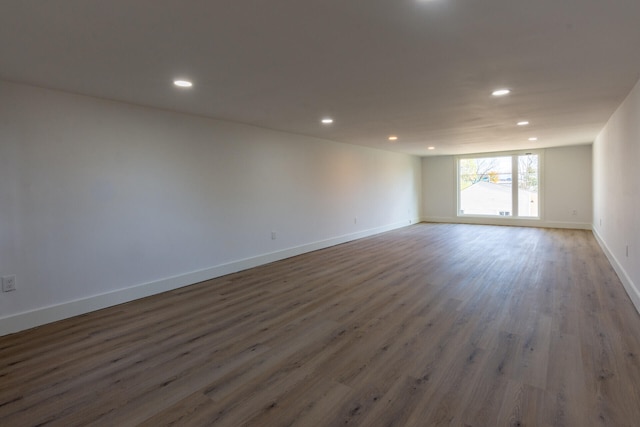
(419, 69)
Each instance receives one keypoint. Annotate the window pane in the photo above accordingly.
(528, 185)
(485, 186)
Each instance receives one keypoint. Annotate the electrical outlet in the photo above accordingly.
(273, 235)
(9, 283)
(574, 213)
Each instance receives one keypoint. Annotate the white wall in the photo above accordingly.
(616, 192)
(439, 188)
(566, 177)
(102, 202)
(568, 186)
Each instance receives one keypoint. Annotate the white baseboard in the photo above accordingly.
(517, 222)
(44, 315)
(629, 286)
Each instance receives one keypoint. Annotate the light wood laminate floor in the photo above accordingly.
(430, 325)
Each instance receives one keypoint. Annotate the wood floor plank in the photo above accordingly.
(433, 324)
(522, 406)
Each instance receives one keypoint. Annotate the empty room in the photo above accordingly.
(319, 213)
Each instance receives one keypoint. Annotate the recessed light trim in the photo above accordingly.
(393, 138)
(501, 92)
(182, 83)
(523, 123)
(533, 138)
(431, 148)
(327, 121)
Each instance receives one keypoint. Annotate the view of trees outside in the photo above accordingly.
(484, 169)
(486, 186)
(528, 185)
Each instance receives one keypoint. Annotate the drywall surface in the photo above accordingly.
(102, 202)
(566, 200)
(439, 187)
(568, 185)
(616, 195)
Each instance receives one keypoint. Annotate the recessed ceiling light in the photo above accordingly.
(431, 148)
(523, 123)
(327, 121)
(533, 138)
(501, 92)
(393, 138)
(182, 83)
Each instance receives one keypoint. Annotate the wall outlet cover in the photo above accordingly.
(8, 283)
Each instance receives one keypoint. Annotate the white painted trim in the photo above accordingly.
(41, 316)
(629, 286)
(517, 222)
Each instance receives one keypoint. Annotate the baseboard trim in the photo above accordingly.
(632, 290)
(510, 222)
(31, 319)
